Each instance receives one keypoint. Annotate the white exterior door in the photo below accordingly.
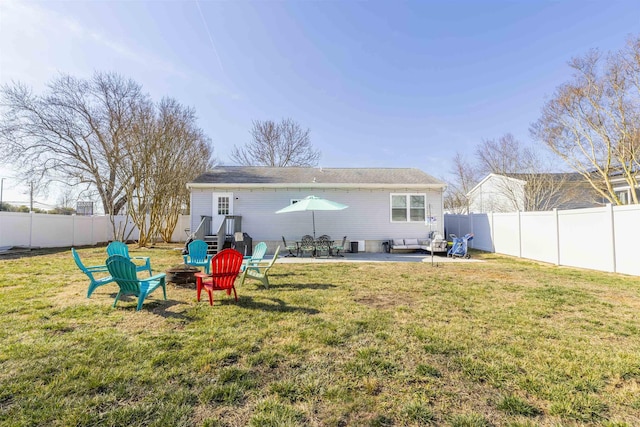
(222, 206)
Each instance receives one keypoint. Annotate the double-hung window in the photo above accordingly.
(408, 207)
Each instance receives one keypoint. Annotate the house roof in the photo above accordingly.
(567, 177)
(261, 176)
(559, 176)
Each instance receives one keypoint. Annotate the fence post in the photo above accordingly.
(30, 229)
(471, 229)
(613, 236)
(493, 234)
(519, 234)
(557, 222)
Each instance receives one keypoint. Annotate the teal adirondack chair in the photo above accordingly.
(89, 271)
(119, 248)
(258, 255)
(124, 273)
(198, 256)
(260, 270)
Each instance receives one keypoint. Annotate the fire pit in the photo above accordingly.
(182, 274)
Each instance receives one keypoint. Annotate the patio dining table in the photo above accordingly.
(314, 252)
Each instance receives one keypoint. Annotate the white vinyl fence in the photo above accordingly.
(603, 239)
(55, 231)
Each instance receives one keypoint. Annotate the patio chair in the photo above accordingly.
(258, 254)
(323, 244)
(197, 255)
(260, 270)
(340, 247)
(89, 271)
(290, 248)
(307, 244)
(119, 248)
(225, 267)
(124, 272)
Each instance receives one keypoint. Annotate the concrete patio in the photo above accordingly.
(373, 257)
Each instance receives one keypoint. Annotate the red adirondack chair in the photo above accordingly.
(225, 267)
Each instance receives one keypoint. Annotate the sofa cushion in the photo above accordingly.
(398, 242)
(411, 242)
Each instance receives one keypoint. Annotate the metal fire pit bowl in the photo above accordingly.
(182, 274)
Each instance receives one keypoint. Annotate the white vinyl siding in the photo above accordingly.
(366, 218)
(408, 207)
(201, 201)
(497, 193)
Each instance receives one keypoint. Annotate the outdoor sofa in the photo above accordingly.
(412, 245)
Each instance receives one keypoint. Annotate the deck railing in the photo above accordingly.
(229, 225)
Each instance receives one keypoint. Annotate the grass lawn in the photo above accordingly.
(504, 343)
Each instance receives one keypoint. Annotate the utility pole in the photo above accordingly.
(1, 188)
(31, 196)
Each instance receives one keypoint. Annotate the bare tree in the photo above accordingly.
(277, 144)
(106, 135)
(167, 151)
(187, 152)
(540, 189)
(502, 156)
(74, 133)
(593, 121)
(465, 177)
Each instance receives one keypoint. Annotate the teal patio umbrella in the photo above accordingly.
(313, 203)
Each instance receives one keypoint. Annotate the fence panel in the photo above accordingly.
(538, 236)
(506, 233)
(51, 231)
(125, 227)
(585, 239)
(180, 232)
(482, 232)
(102, 231)
(14, 229)
(457, 224)
(603, 239)
(627, 237)
(82, 231)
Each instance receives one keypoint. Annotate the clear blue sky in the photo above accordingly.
(379, 83)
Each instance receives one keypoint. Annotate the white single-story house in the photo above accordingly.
(384, 203)
(502, 193)
(497, 193)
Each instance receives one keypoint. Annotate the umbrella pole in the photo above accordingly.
(313, 215)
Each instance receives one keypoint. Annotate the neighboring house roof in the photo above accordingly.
(567, 177)
(572, 192)
(560, 176)
(262, 176)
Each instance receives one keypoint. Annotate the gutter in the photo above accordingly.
(195, 185)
